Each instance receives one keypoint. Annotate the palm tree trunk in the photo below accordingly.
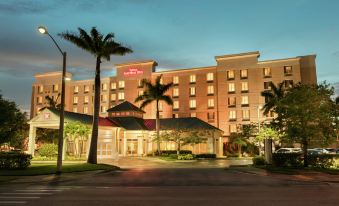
(92, 157)
(157, 128)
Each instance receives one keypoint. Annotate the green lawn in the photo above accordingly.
(44, 169)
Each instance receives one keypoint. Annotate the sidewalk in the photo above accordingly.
(312, 176)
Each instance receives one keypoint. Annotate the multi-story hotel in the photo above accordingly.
(224, 95)
(216, 99)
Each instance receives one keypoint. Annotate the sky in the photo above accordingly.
(175, 33)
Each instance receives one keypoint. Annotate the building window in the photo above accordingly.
(288, 83)
(86, 100)
(40, 89)
(270, 114)
(210, 116)
(103, 98)
(175, 92)
(244, 87)
(85, 110)
(192, 91)
(175, 105)
(193, 104)
(175, 115)
(267, 72)
(288, 70)
(113, 97)
(121, 84)
(267, 85)
(121, 96)
(231, 102)
(39, 100)
(245, 115)
(55, 87)
(140, 92)
(86, 88)
(193, 78)
(175, 80)
(243, 74)
(76, 89)
(75, 100)
(104, 87)
(210, 103)
(113, 86)
(232, 115)
(103, 109)
(233, 128)
(231, 88)
(244, 101)
(75, 109)
(160, 105)
(193, 114)
(140, 83)
(210, 77)
(210, 90)
(230, 75)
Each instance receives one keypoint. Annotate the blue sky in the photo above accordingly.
(176, 33)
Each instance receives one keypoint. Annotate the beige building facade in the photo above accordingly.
(224, 95)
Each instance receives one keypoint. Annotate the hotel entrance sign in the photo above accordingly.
(47, 115)
(133, 71)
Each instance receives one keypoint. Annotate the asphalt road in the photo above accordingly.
(157, 185)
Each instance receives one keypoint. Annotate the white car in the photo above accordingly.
(288, 150)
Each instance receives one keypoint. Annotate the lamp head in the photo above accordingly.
(42, 30)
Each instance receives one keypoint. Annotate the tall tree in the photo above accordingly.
(308, 115)
(155, 92)
(101, 47)
(13, 124)
(51, 103)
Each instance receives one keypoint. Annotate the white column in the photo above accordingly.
(31, 140)
(210, 145)
(140, 146)
(221, 147)
(124, 152)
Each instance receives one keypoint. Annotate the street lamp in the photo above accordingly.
(259, 107)
(44, 31)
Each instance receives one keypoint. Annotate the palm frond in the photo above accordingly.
(167, 99)
(145, 103)
(73, 38)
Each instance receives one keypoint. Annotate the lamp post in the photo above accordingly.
(43, 30)
(258, 110)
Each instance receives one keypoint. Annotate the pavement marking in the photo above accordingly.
(38, 190)
(13, 197)
(12, 202)
(25, 193)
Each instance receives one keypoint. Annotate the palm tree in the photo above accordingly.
(237, 139)
(272, 96)
(102, 48)
(52, 103)
(155, 92)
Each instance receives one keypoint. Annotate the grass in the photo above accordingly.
(45, 169)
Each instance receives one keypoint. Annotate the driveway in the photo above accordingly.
(151, 162)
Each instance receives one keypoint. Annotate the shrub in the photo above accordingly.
(206, 155)
(14, 160)
(48, 150)
(186, 157)
(258, 161)
(173, 156)
(168, 152)
(322, 160)
(287, 159)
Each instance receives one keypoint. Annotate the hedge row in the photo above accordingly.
(14, 160)
(296, 160)
(169, 152)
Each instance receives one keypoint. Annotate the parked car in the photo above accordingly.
(322, 150)
(332, 150)
(314, 151)
(288, 150)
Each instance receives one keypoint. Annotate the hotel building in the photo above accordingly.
(224, 95)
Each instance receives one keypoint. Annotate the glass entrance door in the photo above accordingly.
(132, 147)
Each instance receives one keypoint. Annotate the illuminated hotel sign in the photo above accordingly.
(133, 71)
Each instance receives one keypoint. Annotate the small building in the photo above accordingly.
(126, 133)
